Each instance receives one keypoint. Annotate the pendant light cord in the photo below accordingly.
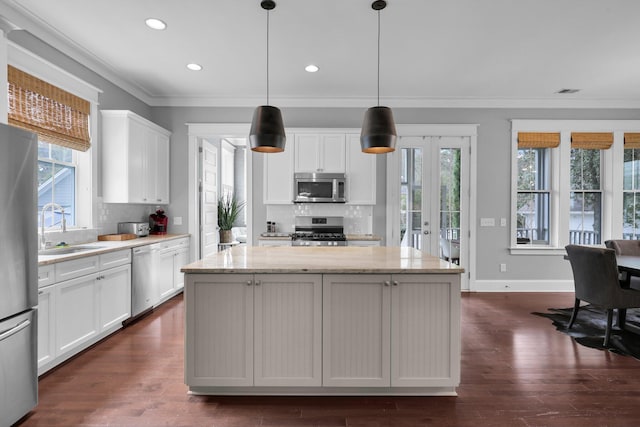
(267, 57)
(378, 57)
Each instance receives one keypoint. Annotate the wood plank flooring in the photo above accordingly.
(516, 371)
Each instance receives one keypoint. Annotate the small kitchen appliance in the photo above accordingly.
(319, 188)
(319, 231)
(140, 229)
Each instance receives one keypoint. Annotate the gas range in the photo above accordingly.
(319, 231)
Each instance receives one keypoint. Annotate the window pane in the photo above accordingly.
(585, 218)
(631, 216)
(585, 169)
(631, 164)
(56, 184)
(533, 218)
(61, 154)
(532, 169)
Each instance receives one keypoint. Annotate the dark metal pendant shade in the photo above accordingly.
(267, 130)
(378, 131)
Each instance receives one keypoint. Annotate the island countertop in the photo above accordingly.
(287, 259)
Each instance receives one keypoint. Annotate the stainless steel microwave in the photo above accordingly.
(319, 188)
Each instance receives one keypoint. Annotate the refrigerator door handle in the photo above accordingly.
(9, 332)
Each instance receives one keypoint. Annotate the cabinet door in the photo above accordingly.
(306, 151)
(114, 295)
(165, 273)
(288, 330)
(356, 330)
(76, 313)
(181, 258)
(425, 336)
(361, 174)
(46, 327)
(219, 330)
(161, 176)
(278, 178)
(138, 158)
(331, 153)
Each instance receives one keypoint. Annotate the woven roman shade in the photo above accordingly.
(631, 140)
(57, 116)
(592, 140)
(538, 139)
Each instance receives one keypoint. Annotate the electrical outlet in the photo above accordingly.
(503, 268)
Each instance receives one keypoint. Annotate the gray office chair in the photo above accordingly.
(595, 275)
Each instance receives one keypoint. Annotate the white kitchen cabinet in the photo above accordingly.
(46, 326)
(278, 178)
(320, 153)
(114, 296)
(172, 256)
(83, 308)
(135, 159)
(360, 173)
(76, 313)
(390, 330)
(262, 330)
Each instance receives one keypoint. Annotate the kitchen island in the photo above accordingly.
(322, 321)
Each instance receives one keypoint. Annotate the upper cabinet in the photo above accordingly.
(135, 159)
(320, 153)
(278, 177)
(361, 173)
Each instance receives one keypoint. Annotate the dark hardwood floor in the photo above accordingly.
(516, 371)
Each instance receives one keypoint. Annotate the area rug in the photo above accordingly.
(589, 327)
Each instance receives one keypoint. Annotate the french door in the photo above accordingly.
(428, 197)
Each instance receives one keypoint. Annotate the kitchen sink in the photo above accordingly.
(67, 250)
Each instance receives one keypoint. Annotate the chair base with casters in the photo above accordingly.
(596, 280)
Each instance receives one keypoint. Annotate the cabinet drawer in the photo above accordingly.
(46, 275)
(175, 244)
(114, 259)
(75, 268)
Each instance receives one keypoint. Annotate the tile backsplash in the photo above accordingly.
(357, 218)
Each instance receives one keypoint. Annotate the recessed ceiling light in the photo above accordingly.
(563, 91)
(156, 24)
(194, 67)
(311, 68)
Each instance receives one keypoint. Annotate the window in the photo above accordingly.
(631, 187)
(533, 195)
(61, 121)
(569, 185)
(56, 184)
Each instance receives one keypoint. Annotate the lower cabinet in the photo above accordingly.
(328, 333)
(75, 313)
(390, 331)
(173, 255)
(254, 330)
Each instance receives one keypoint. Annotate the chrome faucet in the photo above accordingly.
(43, 241)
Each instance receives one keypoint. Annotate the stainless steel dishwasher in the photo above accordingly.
(144, 290)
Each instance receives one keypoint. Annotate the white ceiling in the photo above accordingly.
(480, 53)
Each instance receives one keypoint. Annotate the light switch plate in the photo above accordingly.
(177, 220)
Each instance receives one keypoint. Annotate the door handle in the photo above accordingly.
(12, 331)
(426, 232)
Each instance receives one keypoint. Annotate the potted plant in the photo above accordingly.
(228, 210)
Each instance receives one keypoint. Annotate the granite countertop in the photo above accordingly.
(104, 246)
(340, 260)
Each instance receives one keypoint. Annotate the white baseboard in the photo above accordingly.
(522, 286)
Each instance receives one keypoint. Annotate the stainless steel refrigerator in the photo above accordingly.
(18, 274)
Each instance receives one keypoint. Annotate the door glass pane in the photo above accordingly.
(411, 198)
(450, 204)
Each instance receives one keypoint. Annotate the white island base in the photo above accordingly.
(322, 321)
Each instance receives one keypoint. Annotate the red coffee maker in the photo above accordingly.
(158, 222)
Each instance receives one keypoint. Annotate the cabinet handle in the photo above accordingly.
(40, 292)
(387, 283)
(158, 200)
(248, 282)
(98, 278)
(395, 283)
(257, 282)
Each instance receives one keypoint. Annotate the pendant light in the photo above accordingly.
(267, 129)
(378, 129)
